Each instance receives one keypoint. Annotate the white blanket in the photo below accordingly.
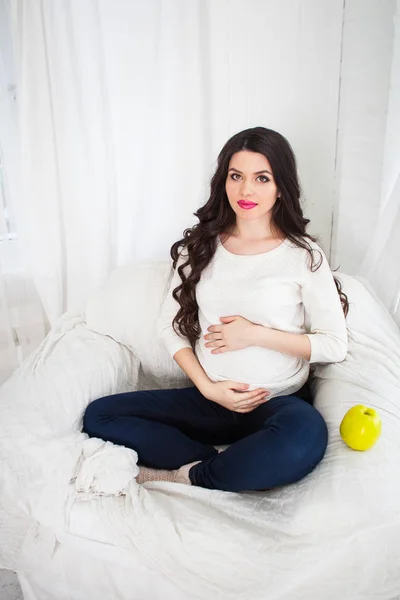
(332, 535)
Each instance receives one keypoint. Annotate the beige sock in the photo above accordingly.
(180, 475)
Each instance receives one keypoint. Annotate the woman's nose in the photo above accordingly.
(246, 189)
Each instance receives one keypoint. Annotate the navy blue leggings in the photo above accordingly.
(278, 443)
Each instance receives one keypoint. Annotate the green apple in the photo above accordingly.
(360, 427)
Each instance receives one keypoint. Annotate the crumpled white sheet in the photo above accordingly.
(104, 469)
(41, 408)
(332, 535)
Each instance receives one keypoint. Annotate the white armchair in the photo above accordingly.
(75, 524)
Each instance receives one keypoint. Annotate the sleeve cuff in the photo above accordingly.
(322, 351)
(314, 348)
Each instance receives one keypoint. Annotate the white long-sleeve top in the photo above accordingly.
(276, 289)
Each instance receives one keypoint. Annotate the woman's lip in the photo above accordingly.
(245, 203)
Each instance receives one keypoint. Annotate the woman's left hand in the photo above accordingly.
(234, 333)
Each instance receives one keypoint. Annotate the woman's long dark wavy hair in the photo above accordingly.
(217, 216)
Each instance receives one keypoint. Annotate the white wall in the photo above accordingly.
(277, 64)
(318, 72)
(217, 69)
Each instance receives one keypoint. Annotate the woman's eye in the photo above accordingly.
(263, 177)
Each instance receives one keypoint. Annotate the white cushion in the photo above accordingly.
(126, 308)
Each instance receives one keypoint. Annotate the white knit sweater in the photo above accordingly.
(276, 289)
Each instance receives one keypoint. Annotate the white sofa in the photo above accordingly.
(75, 524)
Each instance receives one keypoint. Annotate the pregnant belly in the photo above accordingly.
(251, 365)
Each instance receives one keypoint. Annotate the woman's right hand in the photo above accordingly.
(223, 392)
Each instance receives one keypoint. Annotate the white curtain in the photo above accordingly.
(124, 106)
(381, 265)
(110, 102)
(23, 322)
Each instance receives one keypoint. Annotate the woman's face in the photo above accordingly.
(250, 178)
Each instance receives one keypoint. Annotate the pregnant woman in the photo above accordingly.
(250, 305)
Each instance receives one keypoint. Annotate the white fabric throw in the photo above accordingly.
(104, 469)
